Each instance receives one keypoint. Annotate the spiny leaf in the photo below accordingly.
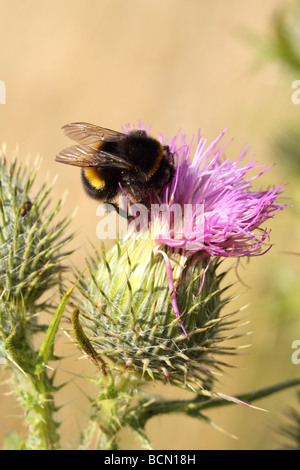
(47, 347)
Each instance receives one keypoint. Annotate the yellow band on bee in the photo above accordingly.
(156, 163)
(93, 177)
(96, 145)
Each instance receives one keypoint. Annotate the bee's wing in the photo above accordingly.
(89, 134)
(85, 156)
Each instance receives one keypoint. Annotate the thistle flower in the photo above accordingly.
(228, 224)
(153, 304)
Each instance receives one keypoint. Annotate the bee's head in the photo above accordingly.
(168, 154)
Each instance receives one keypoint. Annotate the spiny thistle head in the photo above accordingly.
(129, 316)
(30, 253)
(153, 303)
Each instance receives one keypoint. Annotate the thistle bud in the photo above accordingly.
(30, 250)
(129, 317)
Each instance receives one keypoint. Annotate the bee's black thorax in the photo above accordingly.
(140, 150)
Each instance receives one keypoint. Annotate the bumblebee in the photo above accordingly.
(111, 161)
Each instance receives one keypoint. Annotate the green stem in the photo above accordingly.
(194, 407)
(32, 384)
(45, 423)
(103, 427)
(35, 394)
(255, 395)
(109, 408)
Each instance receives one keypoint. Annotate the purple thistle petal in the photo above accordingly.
(232, 211)
(203, 279)
(171, 289)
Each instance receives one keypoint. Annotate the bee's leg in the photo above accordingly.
(139, 195)
(111, 195)
(120, 211)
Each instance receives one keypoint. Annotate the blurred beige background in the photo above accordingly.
(173, 64)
